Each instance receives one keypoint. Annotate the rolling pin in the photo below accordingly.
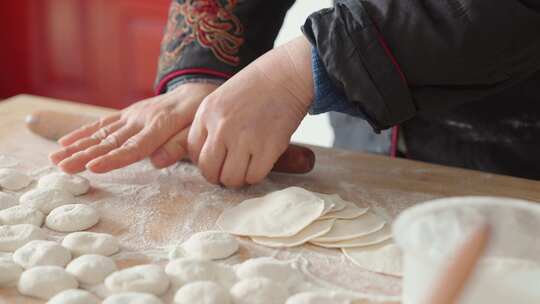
(53, 125)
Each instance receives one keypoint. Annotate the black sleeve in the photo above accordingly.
(217, 37)
(396, 58)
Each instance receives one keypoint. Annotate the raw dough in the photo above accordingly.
(278, 214)
(41, 253)
(21, 215)
(85, 242)
(270, 268)
(350, 229)
(132, 298)
(45, 200)
(212, 245)
(7, 200)
(91, 269)
(44, 282)
(142, 278)
(312, 231)
(7, 161)
(335, 200)
(349, 212)
(9, 273)
(384, 258)
(366, 240)
(14, 236)
(72, 217)
(258, 291)
(187, 270)
(76, 185)
(314, 297)
(13, 180)
(202, 292)
(74, 296)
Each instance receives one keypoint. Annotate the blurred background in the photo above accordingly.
(104, 52)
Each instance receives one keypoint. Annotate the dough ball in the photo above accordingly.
(72, 217)
(278, 214)
(91, 269)
(13, 180)
(270, 268)
(41, 253)
(132, 298)
(7, 200)
(76, 185)
(187, 270)
(9, 273)
(44, 282)
(202, 292)
(14, 236)
(21, 215)
(74, 296)
(143, 278)
(211, 245)
(45, 200)
(85, 242)
(258, 291)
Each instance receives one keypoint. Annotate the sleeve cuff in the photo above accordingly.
(194, 78)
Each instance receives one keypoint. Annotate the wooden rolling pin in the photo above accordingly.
(53, 125)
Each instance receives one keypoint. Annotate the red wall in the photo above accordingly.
(100, 52)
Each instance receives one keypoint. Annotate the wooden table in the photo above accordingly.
(149, 209)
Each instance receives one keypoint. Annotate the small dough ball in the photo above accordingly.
(45, 200)
(14, 236)
(13, 180)
(21, 215)
(9, 273)
(187, 270)
(132, 298)
(74, 296)
(202, 292)
(142, 278)
(270, 268)
(44, 282)
(76, 185)
(91, 269)
(41, 253)
(86, 242)
(258, 291)
(7, 200)
(212, 245)
(72, 217)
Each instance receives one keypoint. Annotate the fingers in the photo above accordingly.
(77, 162)
(211, 160)
(88, 129)
(172, 151)
(259, 167)
(233, 173)
(196, 139)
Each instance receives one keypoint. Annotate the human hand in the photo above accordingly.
(243, 127)
(155, 127)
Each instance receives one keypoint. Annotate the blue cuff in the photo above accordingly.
(193, 78)
(327, 96)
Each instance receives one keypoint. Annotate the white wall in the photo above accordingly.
(315, 129)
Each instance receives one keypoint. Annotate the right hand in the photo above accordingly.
(156, 127)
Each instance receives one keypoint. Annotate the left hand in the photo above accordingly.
(242, 128)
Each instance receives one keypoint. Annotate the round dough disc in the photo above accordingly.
(45, 200)
(142, 278)
(188, 270)
(74, 296)
(76, 185)
(384, 258)
(91, 269)
(7, 200)
(258, 291)
(366, 240)
(14, 236)
(314, 297)
(278, 214)
(41, 253)
(350, 229)
(334, 200)
(212, 245)
(72, 217)
(21, 215)
(202, 292)
(312, 231)
(9, 273)
(132, 298)
(86, 242)
(13, 180)
(44, 282)
(349, 212)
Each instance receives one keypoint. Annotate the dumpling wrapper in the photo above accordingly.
(384, 258)
(371, 239)
(350, 229)
(334, 201)
(278, 214)
(350, 211)
(313, 230)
